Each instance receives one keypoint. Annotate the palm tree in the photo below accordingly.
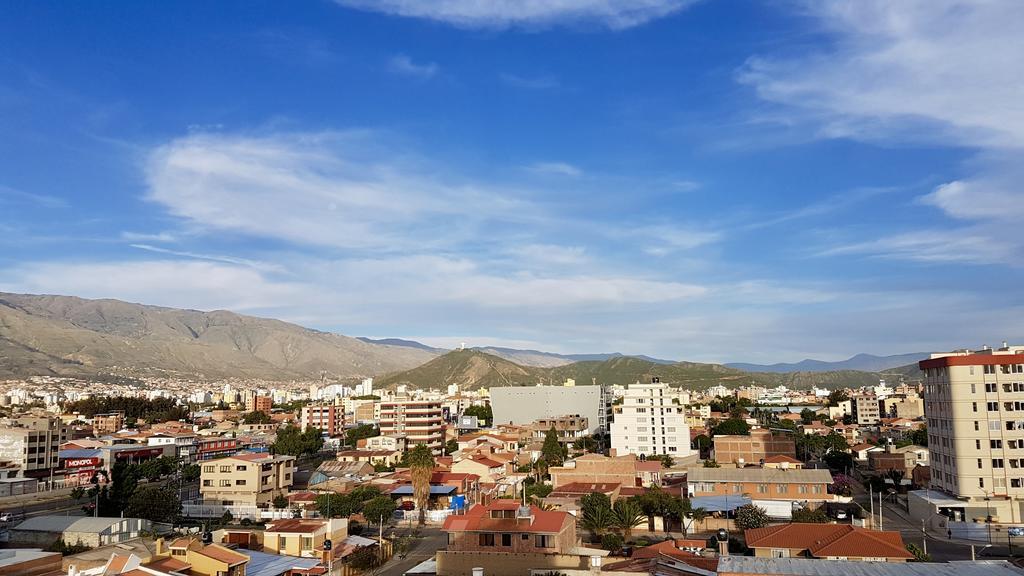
(598, 519)
(421, 466)
(628, 514)
(698, 515)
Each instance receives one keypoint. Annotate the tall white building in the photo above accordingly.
(650, 424)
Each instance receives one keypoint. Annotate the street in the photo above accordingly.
(431, 539)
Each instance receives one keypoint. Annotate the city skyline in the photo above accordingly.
(697, 180)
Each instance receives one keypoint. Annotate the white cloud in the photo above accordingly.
(556, 169)
(937, 72)
(342, 190)
(149, 237)
(529, 82)
(900, 67)
(532, 254)
(402, 64)
(662, 240)
(175, 283)
(614, 14)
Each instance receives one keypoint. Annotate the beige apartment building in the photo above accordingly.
(866, 410)
(246, 479)
(32, 443)
(974, 403)
(569, 428)
(420, 421)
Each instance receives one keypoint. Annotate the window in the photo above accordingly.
(241, 468)
(737, 488)
(990, 387)
(207, 482)
(993, 406)
(225, 468)
(544, 541)
(975, 425)
(977, 444)
(451, 538)
(979, 464)
(780, 488)
(974, 406)
(993, 425)
(307, 542)
(208, 468)
(239, 482)
(981, 482)
(995, 444)
(487, 539)
(225, 483)
(997, 462)
(506, 540)
(762, 488)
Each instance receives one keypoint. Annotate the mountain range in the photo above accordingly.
(865, 362)
(69, 336)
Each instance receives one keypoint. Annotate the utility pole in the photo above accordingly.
(871, 500)
(879, 509)
(924, 538)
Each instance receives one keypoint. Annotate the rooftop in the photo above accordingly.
(814, 567)
(760, 475)
(828, 540)
(478, 519)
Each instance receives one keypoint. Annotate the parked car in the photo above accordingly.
(408, 505)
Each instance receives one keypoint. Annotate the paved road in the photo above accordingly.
(940, 547)
(423, 548)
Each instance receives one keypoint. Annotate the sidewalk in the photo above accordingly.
(943, 537)
(35, 498)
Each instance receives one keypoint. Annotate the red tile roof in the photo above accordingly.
(295, 525)
(478, 519)
(168, 565)
(823, 540)
(222, 554)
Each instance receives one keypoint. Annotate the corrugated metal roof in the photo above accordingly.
(762, 475)
(263, 564)
(69, 524)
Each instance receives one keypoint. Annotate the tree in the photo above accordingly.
(280, 502)
(920, 436)
(361, 431)
(628, 515)
(842, 485)
(421, 466)
(552, 451)
(807, 415)
(656, 502)
(256, 417)
(711, 463)
(190, 473)
(536, 491)
(379, 508)
(918, 553)
(703, 445)
(749, 516)
(586, 444)
(154, 503)
(598, 518)
(666, 460)
(291, 440)
(451, 446)
(732, 427)
(836, 397)
(808, 516)
(482, 413)
(698, 515)
(77, 493)
(612, 542)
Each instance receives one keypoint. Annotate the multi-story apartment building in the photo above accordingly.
(753, 449)
(246, 479)
(258, 403)
(865, 409)
(761, 484)
(216, 447)
(526, 404)
(185, 447)
(650, 424)
(569, 428)
(104, 424)
(974, 403)
(33, 444)
(330, 419)
(420, 421)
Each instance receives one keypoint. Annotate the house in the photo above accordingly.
(252, 479)
(861, 451)
(191, 556)
(651, 559)
(626, 470)
(760, 483)
(339, 475)
(488, 469)
(828, 542)
(303, 537)
(510, 540)
(903, 459)
(386, 457)
(42, 531)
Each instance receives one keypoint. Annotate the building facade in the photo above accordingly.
(246, 479)
(974, 403)
(866, 409)
(420, 421)
(330, 419)
(650, 424)
(33, 443)
(753, 449)
(569, 428)
(525, 404)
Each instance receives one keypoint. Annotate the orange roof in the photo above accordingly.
(487, 462)
(222, 554)
(781, 458)
(823, 540)
(478, 519)
(168, 565)
(295, 525)
(116, 564)
(587, 487)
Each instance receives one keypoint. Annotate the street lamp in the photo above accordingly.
(988, 515)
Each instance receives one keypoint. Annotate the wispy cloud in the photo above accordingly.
(166, 237)
(256, 264)
(11, 195)
(942, 72)
(545, 82)
(402, 64)
(556, 168)
(614, 14)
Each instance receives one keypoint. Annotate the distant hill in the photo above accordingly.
(474, 368)
(862, 362)
(399, 342)
(68, 336)
(523, 357)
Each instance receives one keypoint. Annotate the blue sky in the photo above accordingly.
(706, 180)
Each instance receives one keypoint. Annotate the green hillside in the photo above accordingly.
(474, 369)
